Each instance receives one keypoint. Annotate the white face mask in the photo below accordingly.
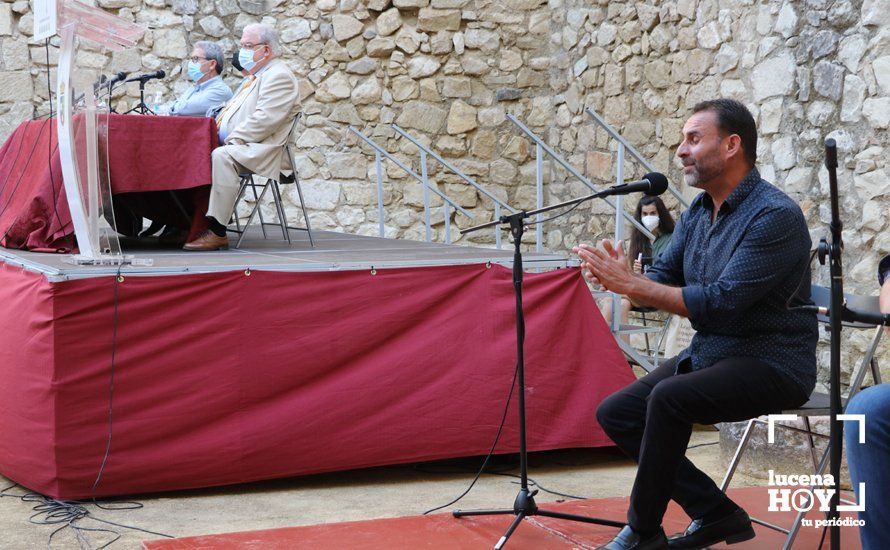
(651, 222)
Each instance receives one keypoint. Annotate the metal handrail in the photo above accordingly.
(422, 179)
(426, 151)
(633, 152)
(571, 169)
(451, 167)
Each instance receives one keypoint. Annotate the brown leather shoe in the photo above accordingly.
(207, 241)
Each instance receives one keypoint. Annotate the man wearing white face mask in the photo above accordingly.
(253, 126)
(204, 67)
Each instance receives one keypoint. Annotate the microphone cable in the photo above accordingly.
(494, 444)
(50, 149)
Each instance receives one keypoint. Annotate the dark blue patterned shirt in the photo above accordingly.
(737, 275)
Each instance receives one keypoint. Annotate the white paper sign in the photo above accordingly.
(45, 19)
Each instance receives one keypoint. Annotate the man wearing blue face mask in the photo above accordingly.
(203, 67)
(253, 127)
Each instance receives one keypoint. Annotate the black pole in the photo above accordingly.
(837, 304)
(517, 229)
(524, 505)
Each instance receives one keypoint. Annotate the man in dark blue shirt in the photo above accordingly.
(737, 258)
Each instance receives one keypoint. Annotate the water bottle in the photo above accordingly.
(156, 104)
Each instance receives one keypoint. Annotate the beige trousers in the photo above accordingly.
(224, 190)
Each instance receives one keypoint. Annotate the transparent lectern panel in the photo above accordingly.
(90, 147)
(88, 36)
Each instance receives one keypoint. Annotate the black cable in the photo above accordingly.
(541, 487)
(49, 89)
(117, 279)
(497, 437)
(65, 513)
(561, 214)
(799, 284)
(702, 445)
(49, 145)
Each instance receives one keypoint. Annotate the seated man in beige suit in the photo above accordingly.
(253, 126)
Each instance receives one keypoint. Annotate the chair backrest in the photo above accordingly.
(822, 298)
(287, 151)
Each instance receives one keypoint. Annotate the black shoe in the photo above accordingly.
(628, 539)
(736, 527)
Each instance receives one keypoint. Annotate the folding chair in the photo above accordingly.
(650, 358)
(818, 404)
(247, 180)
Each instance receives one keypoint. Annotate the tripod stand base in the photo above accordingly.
(525, 506)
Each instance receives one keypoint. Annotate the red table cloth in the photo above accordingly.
(224, 378)
(146, 154)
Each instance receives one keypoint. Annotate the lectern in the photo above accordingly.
(82, 124)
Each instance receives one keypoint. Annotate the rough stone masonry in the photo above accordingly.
(448, 71)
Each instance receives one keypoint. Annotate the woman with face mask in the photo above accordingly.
(654, 216)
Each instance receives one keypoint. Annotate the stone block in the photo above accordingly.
(456, 86)
(334, 88)
(433, 20)
(253, 7)
(854, 95)
(368, 92)
(313, 137)
(422, 66)
(213, 26)
(774, 76)
(389, 22)
(14, 55)
(877, 112)
(828, 79)
(461, 118)
(598, 165)
(881, 68)
(422, 116)
(347, 165)
(295, 30)
(15, 86)
(346, 27)
(170, 44)
(321, 194)
(404, 88)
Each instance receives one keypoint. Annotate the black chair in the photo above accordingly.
(818, 404)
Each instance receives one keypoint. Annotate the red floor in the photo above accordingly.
(442, 531)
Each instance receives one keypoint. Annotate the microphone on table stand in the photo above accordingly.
(142, 108)
(142, 79)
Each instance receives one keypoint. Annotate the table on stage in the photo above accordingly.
(159, 168)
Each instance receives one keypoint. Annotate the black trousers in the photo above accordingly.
(651, 421)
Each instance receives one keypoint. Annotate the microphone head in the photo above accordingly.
(161, 73)
(658, 183)
(122, 75)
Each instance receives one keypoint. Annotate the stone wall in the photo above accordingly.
(448, 71)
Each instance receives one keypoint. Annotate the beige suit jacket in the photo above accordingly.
(261, 124)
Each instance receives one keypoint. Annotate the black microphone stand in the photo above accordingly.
(833, 253)
(141, 107)
(524, 505)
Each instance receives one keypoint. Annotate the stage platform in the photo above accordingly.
(332, 252)
(444, 532)
(273, 361)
